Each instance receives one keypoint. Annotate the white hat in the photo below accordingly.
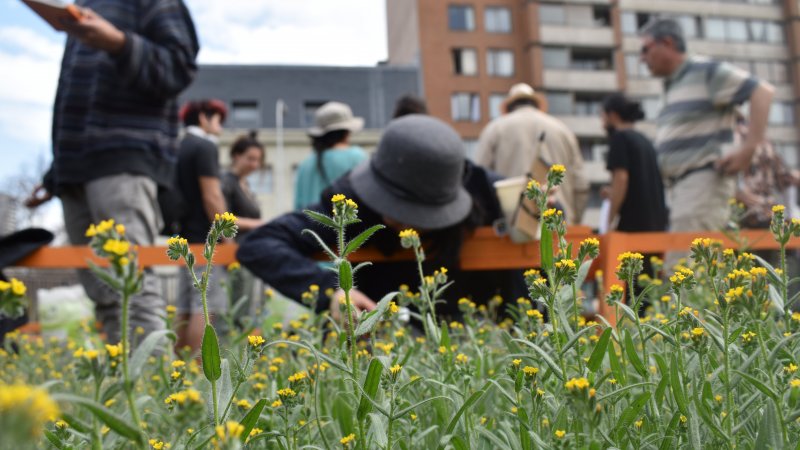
(334, 116)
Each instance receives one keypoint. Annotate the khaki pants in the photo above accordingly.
(129, 200)
(698, 202)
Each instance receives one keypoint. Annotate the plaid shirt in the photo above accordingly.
(117, 113)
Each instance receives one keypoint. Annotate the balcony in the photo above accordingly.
(576, 36)
(581, 80)
(583, 126)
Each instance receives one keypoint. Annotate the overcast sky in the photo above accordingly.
(326, 32)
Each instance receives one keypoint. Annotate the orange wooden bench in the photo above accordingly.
(482, 251)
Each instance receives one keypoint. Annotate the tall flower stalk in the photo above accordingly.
(224, 226)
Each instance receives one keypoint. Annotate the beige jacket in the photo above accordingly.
(510, 144)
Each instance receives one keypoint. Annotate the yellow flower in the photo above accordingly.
(462, 358)
(351, 203)
(158, 445)
(577, 383)
(565, 263)
(338, 198)
(91, 354)
(176, 240)
(31, 402)
(286, 392)
(617, 289)
(591, 241)
(516, 362)
(560, 434)
(231, 430)
(255, 341)
(91, 231)
(791, 368)
(778, 208)
(409, 233)
(116, 247)
(347, 439)
(277, 403)
(61, 425)
(638, 423)
(244, 404)
(225, 217)
(234, 266)
(18, 287)
(395, 369)
(120, 229)
(114, 350)
(530, 371)
(795, 383)
(298, 376)
(622, 257)
(533, 184)
(178, 364)
(393, 308)
(698, 332)
(558, 168)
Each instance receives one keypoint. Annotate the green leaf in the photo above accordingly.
(105, 415)
(758, 384)
(599, 352)
(371, 383)
(705, 415)
(251, 419)
(624, 390)
(212, 364)
(776, 299)
(546, 248)
(694, 432)
(630, 413)
(524, 436)
(575, 338)
(661, 389)
(343, 415)
(106, 277)
(408, 409)
(545, 356)
(467, 404)
(661, 333)
(54, 440)
(77, 424)
(778, 347)
(627, 311)
(615, 364)
(345, 275)
(370, 320)
(359, 240)
(677, 387)
(320, 218)
(321, 243)
(769, 435)
(633, 356)
(669, 433)
(143, 351)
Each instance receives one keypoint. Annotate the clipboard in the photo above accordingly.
(55, 12)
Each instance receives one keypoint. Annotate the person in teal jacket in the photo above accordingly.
(333, 154)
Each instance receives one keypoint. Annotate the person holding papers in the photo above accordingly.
(115, 129)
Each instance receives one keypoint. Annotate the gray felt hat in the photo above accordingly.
(415, 175)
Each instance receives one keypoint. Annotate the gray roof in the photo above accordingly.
(251, 91)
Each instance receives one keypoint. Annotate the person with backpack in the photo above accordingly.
(333, 154)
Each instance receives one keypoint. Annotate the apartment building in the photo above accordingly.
(470, 52)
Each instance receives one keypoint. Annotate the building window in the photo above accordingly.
(497, 19)
(740, 30)
(591, 59)
(737, 30)
(689, 25)
(555, 58)
(465, 61)
(470, 148)
(461, 17)
(245, 114)
(559, 103)
(634, 66)
(495, 103)
(715, 29)
(500, 63)
(465, 107)
(309, 109)
(552, 14)
(628, 23)
(588, 104)
(781, 113)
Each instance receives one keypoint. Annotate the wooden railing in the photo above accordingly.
(484, 250)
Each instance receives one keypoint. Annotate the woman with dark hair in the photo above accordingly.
(333, 155)
(636, 191)
(247, 156)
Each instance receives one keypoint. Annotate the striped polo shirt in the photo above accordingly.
(697, 121)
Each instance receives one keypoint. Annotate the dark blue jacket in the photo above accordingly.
(117, 113)
(281, 255)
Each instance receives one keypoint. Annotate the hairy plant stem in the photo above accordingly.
(787, 316)
(389, 438)
(772, 383)
(126, 377)
(97, 437)
(645, 354)
(729, 419)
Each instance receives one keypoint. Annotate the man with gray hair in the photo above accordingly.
(697, 153)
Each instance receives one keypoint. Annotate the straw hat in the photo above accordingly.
(524, 91)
